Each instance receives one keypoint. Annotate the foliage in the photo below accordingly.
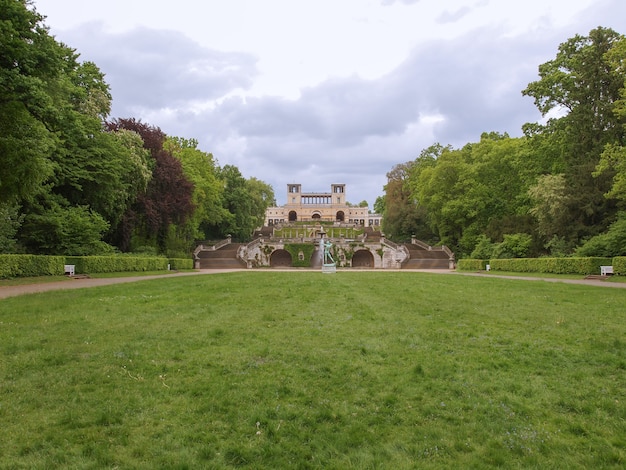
(307, 250)
(402, 217)
(64, 230)
(551, 265)
(613, 161)
(472, 264)
(275, 370)
(483, 249)
(582, 83)
(245, 202)
(379, 205)
(202, 171)
(561, 183)
(60, 155)
(30, 265)
(116, 264)
(168, 196)
(180, 263)
(31, 65)
(479, 189)
(611, 243)
(619, 265)
(513, 246)
(10, 222)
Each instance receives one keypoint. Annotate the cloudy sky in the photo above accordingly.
(324, 91)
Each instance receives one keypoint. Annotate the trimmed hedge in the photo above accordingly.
(472, 264)
(294, 249)
(30, 266)
(180, 263)
(619, 265)
(551, 265)
(116, 264)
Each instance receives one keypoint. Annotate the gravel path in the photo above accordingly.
(81, 283)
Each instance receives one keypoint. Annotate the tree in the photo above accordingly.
(261, 197)
(10, 222)
(609, 244)
(238, 223)
(168, 196)
(379, 205)
(202, 171)
(402, 217)
(583, 86)
(65, 230)
(31, 63)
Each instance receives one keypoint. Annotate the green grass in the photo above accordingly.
(617, 279)
(305, 370)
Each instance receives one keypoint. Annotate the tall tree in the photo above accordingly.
(168, 197)
(581, 87)
(208, 189)
(403, 216)
(261, 197)
(31, 63)
(237, 202)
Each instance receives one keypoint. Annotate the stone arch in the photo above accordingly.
(316, 216)
(280, 259)
(362, 259)
(293, 216)
(340, 217)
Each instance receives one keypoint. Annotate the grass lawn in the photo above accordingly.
(356, 370)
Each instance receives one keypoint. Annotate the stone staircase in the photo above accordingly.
(371, 235)
(222, 258)
(421, 258)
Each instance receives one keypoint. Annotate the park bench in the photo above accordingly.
(69, 269)
(606, 270)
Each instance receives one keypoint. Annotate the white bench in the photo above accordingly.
(69, 269)
(606, 270)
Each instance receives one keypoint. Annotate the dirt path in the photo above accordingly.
(12, 291)
(81, 283)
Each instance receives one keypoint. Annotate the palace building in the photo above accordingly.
(327, 207)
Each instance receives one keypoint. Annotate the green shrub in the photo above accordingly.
(619, 265)
(295, 248)
(472, 264)
(551, 265)
(30, 265)
(513, 246)
(611, 243)
(483, 249)
(180, 263)
(113, 264)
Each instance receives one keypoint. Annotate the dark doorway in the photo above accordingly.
(280, 259)
(362, 259)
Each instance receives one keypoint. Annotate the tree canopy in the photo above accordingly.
(559, 186)
(73, 181)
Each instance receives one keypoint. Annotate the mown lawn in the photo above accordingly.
(305, 370)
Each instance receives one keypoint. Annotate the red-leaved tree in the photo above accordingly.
(168, 197)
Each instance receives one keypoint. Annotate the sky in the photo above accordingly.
(318, 92)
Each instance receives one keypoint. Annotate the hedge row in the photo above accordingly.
(116, 264)
(180, 263)
(30, 265)
(472, 264)
(619, 265)
(544, 265)
(34, 265)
